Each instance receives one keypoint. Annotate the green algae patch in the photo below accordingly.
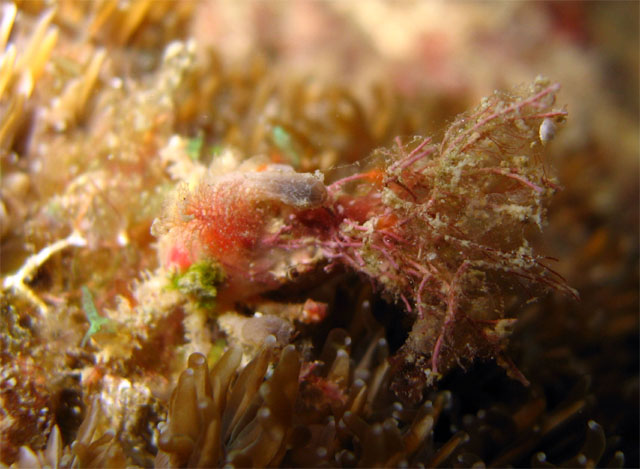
(200, 282)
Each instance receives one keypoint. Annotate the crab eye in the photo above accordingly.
(547, 130)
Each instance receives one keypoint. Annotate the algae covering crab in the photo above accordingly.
(440, 230)
(217, 252)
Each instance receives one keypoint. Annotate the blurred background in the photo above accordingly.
(80, 142)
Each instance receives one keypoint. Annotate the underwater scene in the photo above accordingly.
(319, 234)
